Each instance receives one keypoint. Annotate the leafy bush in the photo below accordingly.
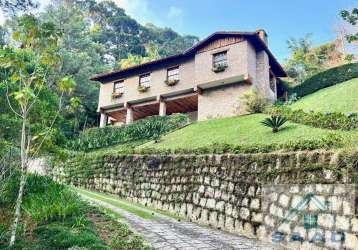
(44, 199)
(333, 121)
(325, 79)
(253, 102)
(150, 128)
(274, 122)
(327, 142)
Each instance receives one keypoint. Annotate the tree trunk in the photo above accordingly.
(22, 181)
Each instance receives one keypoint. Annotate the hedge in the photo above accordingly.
(145, 129)
(325, 79)
(334, 121)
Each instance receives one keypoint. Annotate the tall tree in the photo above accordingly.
(352, 18)
(28, 68)
(306, 60)
(11, 7)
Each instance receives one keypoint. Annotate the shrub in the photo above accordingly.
(150, 128)
(325, 79)
(274, 122)
(329, 141)
(253, 102)
(333, 121)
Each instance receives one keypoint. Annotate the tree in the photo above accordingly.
(11, 7)
(132, 60)
(352, 18)
(306, 61)
(28, 68)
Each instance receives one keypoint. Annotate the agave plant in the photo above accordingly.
(274, 122)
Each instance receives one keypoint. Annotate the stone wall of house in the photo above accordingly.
(222, 101)
(228, 192)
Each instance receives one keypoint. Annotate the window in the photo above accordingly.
(118, 87)
(173, 73)
(220, 59)
(144, 80)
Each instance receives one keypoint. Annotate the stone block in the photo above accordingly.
(217, 194)
(244, 213)
(269, 221)
(332, 240)
(273, 197)
(351, 241)
(228, 209)
(251, 191)
(342, 223)
(284, 200)
(220, 205)
(339, 190)
(348, 208)
(326, 221)
(229, 224)
(335, 203)
(284, 228)
(209, 192)
(221, 221)
(210, 203)
(296, 199)
(202, 202)
(255, 204)
(294, 189)
(257, 217)
(213, 220)
(248, 230)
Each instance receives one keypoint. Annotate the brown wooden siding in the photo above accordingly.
(220, 43)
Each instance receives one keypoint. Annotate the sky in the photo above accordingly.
(282, 19)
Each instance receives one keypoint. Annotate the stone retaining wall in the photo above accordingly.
(223, 191)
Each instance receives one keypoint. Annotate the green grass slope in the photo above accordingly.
(242, 130)
(342, 97)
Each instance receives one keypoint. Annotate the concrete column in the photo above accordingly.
(103, 120)
(129, 117)
(162, 108)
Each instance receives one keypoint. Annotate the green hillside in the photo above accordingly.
(342, 97)
(242, 130)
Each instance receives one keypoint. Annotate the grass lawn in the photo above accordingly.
(342, 97)
(242, 130)
(135, 208)
(117, 203)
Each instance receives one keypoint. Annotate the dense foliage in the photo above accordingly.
(325, 79)
(306, 60)
(57, 219)
(145, 129)
(332, 121)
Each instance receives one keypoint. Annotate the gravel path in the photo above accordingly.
(166, 233)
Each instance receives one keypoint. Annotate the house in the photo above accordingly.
(206, 81)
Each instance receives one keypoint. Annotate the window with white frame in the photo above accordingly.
(173, 73)
(220, 59)
(118, 87)
(144, 80)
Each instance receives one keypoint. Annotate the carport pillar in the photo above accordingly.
(103, 120)
(162, 108)
(129, 117)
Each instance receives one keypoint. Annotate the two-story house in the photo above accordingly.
(206, 81)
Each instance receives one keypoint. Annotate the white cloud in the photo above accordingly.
(175, 12)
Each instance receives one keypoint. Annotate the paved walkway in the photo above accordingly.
(166, 233)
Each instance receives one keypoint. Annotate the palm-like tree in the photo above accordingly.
(274, 122)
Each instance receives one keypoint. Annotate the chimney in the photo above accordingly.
(263, 35)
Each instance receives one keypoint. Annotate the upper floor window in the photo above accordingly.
(144, 80)
(118, 87)
(220, 59)
(173, 74)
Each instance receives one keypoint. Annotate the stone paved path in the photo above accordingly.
(166, 233)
